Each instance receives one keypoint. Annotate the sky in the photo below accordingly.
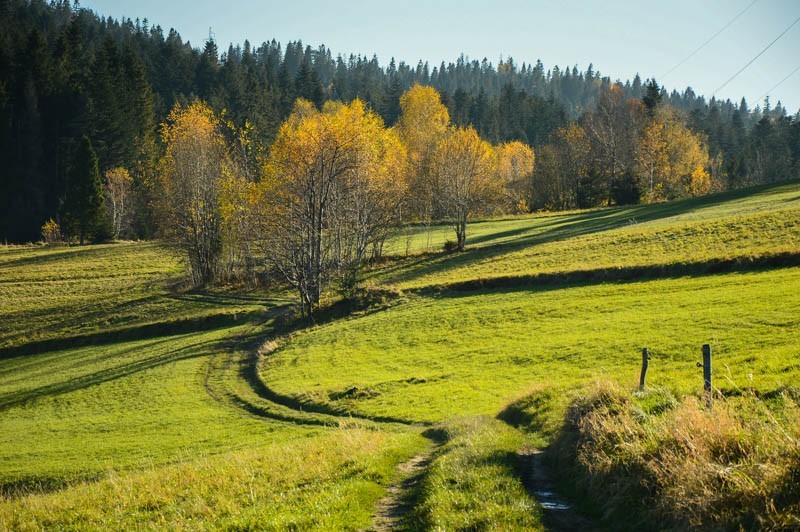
(619, 37)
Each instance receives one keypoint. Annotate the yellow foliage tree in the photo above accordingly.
(464, 167)
(672, 159)
(236, 194)
(515, 162)
(423, 123)
(332, 185)
(190, 177)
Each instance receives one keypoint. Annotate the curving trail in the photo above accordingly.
(231, 377)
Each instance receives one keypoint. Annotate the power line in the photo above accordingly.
(792, 73)
(734, 19)
(756, 57)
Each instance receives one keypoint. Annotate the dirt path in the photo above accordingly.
(399, 501)
(558, 513)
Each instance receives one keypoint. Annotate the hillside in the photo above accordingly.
(128, 401)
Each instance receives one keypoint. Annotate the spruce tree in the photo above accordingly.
(652, 96)
(83, 211)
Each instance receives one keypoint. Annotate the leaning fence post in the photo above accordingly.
(707, 372)
(643, 375)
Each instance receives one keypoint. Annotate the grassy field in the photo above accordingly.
(431, 359)
(127, 401)
(689, 232)
(149, 412)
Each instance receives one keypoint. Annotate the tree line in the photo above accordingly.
(67, 73)
(334, 183)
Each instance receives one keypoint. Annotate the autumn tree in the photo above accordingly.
(672, 159)
(562, 170)
(613, 127)
(83, 210)
(515, 163)
(330, 190)
(368, 198)
(464, 166)
(191, 173)
(237, 227)
(423, 123)
(238, 191)
(118, 185)
(305, 161)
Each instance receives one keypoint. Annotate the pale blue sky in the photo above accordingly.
(620, 37)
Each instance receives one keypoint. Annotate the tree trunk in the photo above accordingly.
(461, 231)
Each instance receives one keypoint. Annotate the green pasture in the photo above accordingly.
(129, 401)
(472, 353)
(689, 233)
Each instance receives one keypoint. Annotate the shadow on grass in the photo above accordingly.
(51, 254)
(106, 375)
(286, 323)
(250, 374)
(557, 227)
(624, 274)
(139, 332)
(541, 480)
(38, 485)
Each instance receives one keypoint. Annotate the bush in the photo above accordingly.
(51, 233)
(450, 246)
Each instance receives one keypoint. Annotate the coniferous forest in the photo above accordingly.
(68, 76)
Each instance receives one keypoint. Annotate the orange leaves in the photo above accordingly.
(424, 116)
(332, 186)
(194, 120)
(464, 177)
(423, 122)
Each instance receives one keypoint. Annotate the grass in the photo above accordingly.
(66, 294)
(685, 465)
(418, 238)
(331, 481)
(115, 414)
(660, 235)
(127, 401)
(430, 359)
(473, 482)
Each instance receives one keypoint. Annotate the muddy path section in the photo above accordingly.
(558, 513)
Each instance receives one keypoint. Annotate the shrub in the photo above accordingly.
(51, 233)
(450, 246)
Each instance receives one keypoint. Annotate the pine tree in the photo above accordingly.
(652, 96)
(207, 70)
(308, 84)
(390, 108)
(83, 211)
(108, 121)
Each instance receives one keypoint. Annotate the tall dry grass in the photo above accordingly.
(650, 461)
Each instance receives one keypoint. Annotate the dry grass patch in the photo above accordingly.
(648, 458)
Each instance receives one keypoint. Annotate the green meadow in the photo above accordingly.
(129, 401)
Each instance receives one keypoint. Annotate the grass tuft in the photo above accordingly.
(647, 458)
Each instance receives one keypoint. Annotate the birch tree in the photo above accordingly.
(118, 185)
(464, 168)
(332, 186)
(191, 172)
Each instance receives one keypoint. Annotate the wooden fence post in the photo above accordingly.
(643, 375)
(707, 372)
